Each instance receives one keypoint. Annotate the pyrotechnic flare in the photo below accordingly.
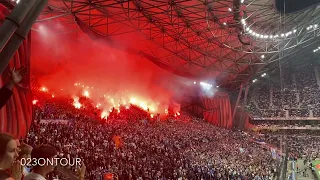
(76, 103)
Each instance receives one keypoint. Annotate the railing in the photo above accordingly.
(284, 118)
(283, 175)
(286, 127)
(293, 173)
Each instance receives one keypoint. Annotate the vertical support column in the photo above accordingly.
(271, 96)
(310, 112)
(13, 44)
(297, 98)
(287, 114)
(13, 21)
(294, 82)
(316, 71)
(242, 122)
(237, 104)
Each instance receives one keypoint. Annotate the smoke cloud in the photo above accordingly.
(58, 61)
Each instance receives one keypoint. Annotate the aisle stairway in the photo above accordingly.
(299, 176)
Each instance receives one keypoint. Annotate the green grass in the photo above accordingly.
(314, 163)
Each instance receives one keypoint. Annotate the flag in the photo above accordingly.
(273, 153)
(117, 141)
(108, 176)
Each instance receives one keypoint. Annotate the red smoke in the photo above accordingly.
(60, 60)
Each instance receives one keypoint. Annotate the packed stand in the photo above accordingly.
(298, 93)
(133, 145)
(163, 150)
(286, 124)
(301, 145)
(62, 108)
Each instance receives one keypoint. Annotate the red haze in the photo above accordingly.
(60, 60)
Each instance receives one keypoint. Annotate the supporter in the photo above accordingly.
(5, 176)
(6, 91)
(5, 94)
(8, 154)
(40, 172)
(25, 153)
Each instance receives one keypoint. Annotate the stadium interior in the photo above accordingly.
(160, 89)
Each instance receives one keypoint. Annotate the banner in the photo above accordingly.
(44, 121)
(217, 109)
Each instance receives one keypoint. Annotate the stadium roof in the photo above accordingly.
(224, 40)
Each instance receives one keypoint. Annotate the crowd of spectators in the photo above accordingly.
(133, 144)
(47, 107)
(184, 147)
(163, 150)
(179, 149)
(301, 145)
(298, 93)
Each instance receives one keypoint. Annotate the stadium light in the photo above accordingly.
(262, 56)
(229, 9)
(194, 82)
(255, 80)
(205, 85)
(263, 75)
(283, 35)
